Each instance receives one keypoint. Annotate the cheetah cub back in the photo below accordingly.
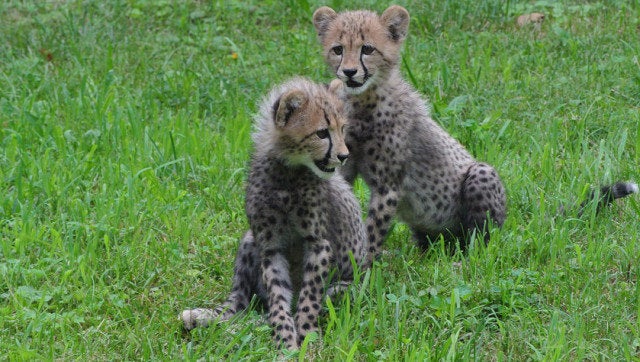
(414, 169)
(304, 219)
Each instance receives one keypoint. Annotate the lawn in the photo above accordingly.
(124, 141)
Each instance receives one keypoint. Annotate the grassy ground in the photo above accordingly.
(124, 141)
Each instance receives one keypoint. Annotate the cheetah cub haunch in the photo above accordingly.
(304, 219)
(414, 169)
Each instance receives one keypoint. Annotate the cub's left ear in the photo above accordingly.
(396, 20)
(322, 19)
(287, 105)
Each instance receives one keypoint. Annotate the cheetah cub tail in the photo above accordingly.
(608, 193)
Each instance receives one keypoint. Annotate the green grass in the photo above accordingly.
(124, 141)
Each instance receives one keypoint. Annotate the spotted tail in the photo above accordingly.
(608, 194)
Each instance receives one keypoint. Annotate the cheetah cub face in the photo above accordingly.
(361, 47)
(309, 129)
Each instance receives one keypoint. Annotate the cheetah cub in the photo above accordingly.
(414, 169)
(304, 219)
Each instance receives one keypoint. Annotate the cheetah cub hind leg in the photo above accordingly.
(244, 276)
(483, 200)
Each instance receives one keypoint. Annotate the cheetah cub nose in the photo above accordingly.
(349, 72)
(343, 157)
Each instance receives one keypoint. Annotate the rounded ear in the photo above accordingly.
(396, 20)
(286, 105)
(322, 18)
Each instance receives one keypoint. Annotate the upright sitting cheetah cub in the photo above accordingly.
(305, 221)
(414, 169)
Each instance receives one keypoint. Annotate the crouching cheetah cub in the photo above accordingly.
(414, 169)
(304, 220)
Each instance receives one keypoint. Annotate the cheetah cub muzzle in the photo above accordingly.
(305, 223)
(414, 169)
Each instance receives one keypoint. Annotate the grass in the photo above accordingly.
(124, 142)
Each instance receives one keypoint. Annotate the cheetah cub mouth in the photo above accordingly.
(323, 165)
(351, 83)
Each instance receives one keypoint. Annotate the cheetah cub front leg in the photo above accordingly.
(276, 278)
(316, 274)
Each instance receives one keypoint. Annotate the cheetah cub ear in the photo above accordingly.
(396, 20)
(287, 105)
(322, 19)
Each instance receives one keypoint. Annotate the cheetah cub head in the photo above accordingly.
(360, 46)
(303, 123)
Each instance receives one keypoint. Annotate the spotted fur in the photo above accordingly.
(414, 169)
(304, 219)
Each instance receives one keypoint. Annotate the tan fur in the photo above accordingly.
(414, 169)
(525, 19)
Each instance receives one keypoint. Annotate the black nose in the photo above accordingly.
(349, 72)
(343, 158)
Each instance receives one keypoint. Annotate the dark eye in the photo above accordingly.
(337, 50)
(323, 133)
(367, 49)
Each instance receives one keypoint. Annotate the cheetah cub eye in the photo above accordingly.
(323, 133)
(367, 49)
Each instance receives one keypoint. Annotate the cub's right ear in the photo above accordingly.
(322, 19)
(396, 20)
(287, 105)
